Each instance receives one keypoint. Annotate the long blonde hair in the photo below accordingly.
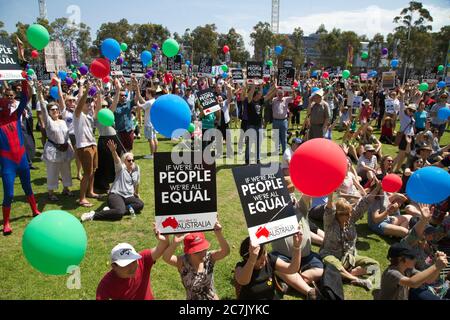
(124, 157)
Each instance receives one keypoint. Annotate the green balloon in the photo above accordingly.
(124, 47)
(224, 68)
(270, 63)
(53, 242)
(346, 74)
(191, 128)
(441, 68)
(74, 75)
(38, 36)
(424, 87)
(106, 117)
(30, 72)
(170, 48)
(365, 55)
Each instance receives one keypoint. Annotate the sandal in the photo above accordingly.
(86, 205)
(93, 197)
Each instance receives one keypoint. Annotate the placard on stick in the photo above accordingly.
(266, 202)
(238, 75)
(388, 80)
(286, 78)
(9, 62)
(205, 67)
(174, 65)
(185, 195)
(208, 101)
(255, 72)
(137, 68)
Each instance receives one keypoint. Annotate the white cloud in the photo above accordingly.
(368, 21)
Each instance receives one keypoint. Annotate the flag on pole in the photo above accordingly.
(20, 49)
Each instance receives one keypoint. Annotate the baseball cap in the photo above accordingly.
(124, 254)
(318, 93)
(195, 242)
(398, 250)
(369, 148)
(367, 101)
(297, 141)
(412, 107)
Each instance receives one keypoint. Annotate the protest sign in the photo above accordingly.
(288, 63)
(364, 77)
(388, 80)
(255, 72)
(55, 57)
(116, 69)
(9, 63)
(185, 195)
(208, 101)
(74, 55)
(266, 202)
(174, 65)
(286, 78)
(205, 67)
(238, 75)
(41, 73)
(357, 102)
(137, 68)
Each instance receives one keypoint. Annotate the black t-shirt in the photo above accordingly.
(254, 112)
(261, 286)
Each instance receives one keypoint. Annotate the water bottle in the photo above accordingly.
(132, 213)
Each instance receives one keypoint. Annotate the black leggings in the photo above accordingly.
(119, 207)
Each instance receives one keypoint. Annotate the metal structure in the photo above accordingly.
(276, 16)
(42, 9)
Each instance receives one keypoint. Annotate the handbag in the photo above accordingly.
(60, 147)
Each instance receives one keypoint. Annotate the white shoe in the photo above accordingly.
(148, 157)
(88, 216)
(106, 209)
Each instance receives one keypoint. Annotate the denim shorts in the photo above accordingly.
(150, 133)
(378, 228)
(309, 262)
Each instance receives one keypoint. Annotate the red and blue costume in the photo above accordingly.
(13, 158)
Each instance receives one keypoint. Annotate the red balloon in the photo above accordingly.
(326, 75)
(24, 74)
(34, 54)
(105, 79)
(296, 84)
(318, 167)
(226, 49)
(100, 68)
(392, 183)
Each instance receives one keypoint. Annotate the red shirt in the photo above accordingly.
(168, 78)
(387, 132)
(111, 287)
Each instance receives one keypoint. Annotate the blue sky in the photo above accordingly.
(361, 16)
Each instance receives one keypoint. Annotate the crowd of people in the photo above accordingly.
(106, 165)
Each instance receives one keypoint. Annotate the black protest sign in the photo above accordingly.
(41, 72)
(137, 68)
(9, 62)
(267, 71)
(116, 69)
(174, 65)
(238, 75)
(185, 195)
(288, 63)
(208, 101)
(254, 70)
(286, 77)
(266, 202)
(205, 67)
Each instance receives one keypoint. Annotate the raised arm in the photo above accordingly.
(169, 256)
(117, 87)
(294, 266)
(250, 93)
(44, 112)
(224, 246)
(429, 274)
(243, 275)
(113, 148)
(62, 103)
(82, 101)
(163, 244)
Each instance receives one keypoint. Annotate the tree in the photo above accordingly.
(237, 46)
(376, 44)
(3, 33)
(68, 33)
(262, 39)
(440, 45)
(22, 31)
(329, 48)
(144, 35)
(205, 42)
(122, 31)
(321, 29)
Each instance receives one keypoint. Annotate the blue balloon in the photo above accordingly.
(441, 84)
(430, 185)
(111, 49)
(278, 50)
(394, 63)
(62, 75)
(170, 113)
(444, 113)
(314, 89)
(188, 63)
(314, 74)
(225, 75)
(54, 92)
(146, 57)
(373, 74)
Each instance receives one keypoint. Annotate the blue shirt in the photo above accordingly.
(421, 119)
(319, 201)
(124, 123)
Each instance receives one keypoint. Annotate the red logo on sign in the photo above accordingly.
(262, 232)
(170, 222)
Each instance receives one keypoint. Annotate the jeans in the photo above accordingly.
(252, 140)
(282, 127)
(118, 208)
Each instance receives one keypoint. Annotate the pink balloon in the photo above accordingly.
(325, 75)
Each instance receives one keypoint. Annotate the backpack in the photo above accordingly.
(331, 286)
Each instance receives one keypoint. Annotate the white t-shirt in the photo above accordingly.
(371, 163)
(347, 186)
(287, 156)
(226, 112)
(147, 107)
(84, 135)
(39, 107)
(68, 117)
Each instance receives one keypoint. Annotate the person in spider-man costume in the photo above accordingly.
(13, 158)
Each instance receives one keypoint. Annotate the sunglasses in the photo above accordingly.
(10, 96)
(130, 160)
(123, 95)
(54, 109)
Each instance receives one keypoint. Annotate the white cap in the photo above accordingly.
(123, 254)
(318, 93)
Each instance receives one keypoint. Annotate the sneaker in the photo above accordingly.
(312, 294)
(148, 157)
(88, 216)
(106, 209)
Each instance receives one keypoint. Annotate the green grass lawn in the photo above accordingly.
(18, 280)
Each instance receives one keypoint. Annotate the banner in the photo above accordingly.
(238, 75)
(266, 202)
(388, 80)
(185, 195)
(255, 72)
(116, 69)
(208, 101)
(267, 71)
(205, 67)
(174, 65)
(74, 56)
(286, 78)
(9, 63)
(288, 63)
(137, 68)
(41, 73)
(55, 57)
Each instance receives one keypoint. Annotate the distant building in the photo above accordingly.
(310, 46)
